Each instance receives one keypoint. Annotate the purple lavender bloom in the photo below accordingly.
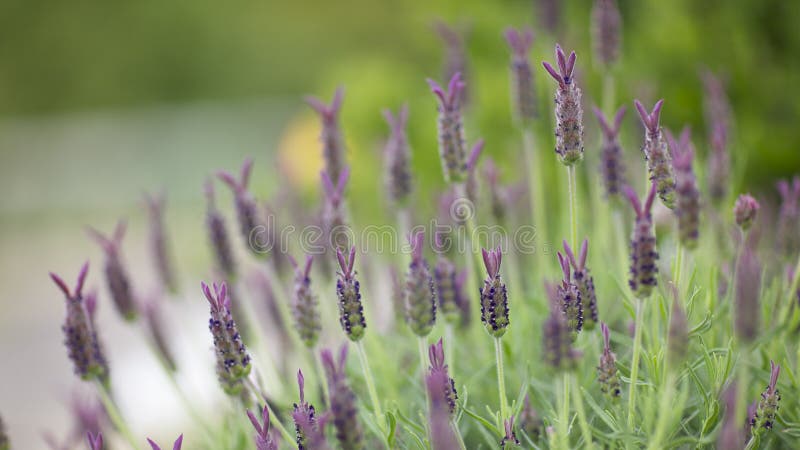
(568, 110)
(442, 435)
(643, 245)
(261, 287)
(263, 437)
(557, 336)
(343, 401)
(523, 88)
(583, 280)
(95, 440)
(718, 122)
(606, 24)
(304, 304)
(246, 208)
(333, 213)
(687, 201)
(452, 150)
(455, 54)
(607, 373)
(471, 183)
(448, 385)
(348, 291)
(158, 241)
(764, 418)
(570, 297)
(747, 295)
(88, 414)
(745, 211)
(397, 157)
(549, 11)
(656, 152)
(218, 235)
(233, 361)
(176, 446)
(461, 298)
(497, 195)
(445, 283)
(83, 346)
(510, 439)
(788, 238)
(494, 296)
(732, 434)
(151, 310)
(333, 149)
(612, 165)
(419, 296)
(678, 340)
(116, 274)
(310, 434)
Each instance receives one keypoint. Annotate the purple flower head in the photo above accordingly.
(606, 24)
(557, 336)
(246, 208)
(233, 361)
(88, 413)
(745, 211)
(304, 303)
(397, 157)
(445, 283)
(261, 288)
(788, 238)
(687, 202)
(263, 437)
(659, 161)
(455, 52)
(151, 310)
(309, 431)
(419, 295)
(767, 411)
(218, 235)
(607, 374)
(80, 336)
(747, 295)
(471, 184)
(568, 110)
(116, 275)
(439, 411)
(510, 439)
(498, 196)
(643, 245)
(176, 446)
(612, 165)
(333, 213)
(348, 291)
(95, 440)
(523, 93)
(452, 151)
(571, 301)
(494, 296)
(732, 434)
(519, 41)
(583, 280)
(448, 385)
(718, 117)
(342, 401)
(158, 241)
(333, 150)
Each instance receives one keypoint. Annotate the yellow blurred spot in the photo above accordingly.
(299, 152)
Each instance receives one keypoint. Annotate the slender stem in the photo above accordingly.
(637, 343)
(114, 414)
(274, 417)
(676, 270)
(501, 380)
(667, 397)
(608, 93)
(740, 408)
(573, 206)
(320, 374)
(457, 432)
(535, 186)
(563, 413)
(373, 393)
(423, 357)
(577, 400)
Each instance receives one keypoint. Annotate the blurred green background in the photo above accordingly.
(101, 100)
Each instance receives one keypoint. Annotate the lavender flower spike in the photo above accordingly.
(747, 294)
(764, 417)
(233, 361)
(471, 183)
(176, 446)
(333, 149)
(510, 439)
(397, 157)
(570, 297)
(448, 385)
(557, 340)
(310, 434)
(718, 123)
(152, 315)
(158, 241)
(494, 296)
(745, 211)
(569, 114)
(606, 24)
(607, 373)
(348, 291)
(442, 434)
(584, 282)
(246, 207)
(656, 152)
(218, 235)
(95, 440)
(263, 437)
(452, 150)
(612, 165)
(81, 339)
(343, 402)
(334, 213)
(305, 306)
(687, 205)
(445, 282)
(419, 295)
(788, 238)
(454, 38)
(116, 275)
(498, 196)
(523, 88)
(643, 245)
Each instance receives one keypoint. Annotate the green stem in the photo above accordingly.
(740, 408)
(457, 432)
(114, 414)
(608, 93)
(501, 381)
(667, 397)
(637, 343)
(573, 206)
(423, 357)
(676, 270)
(373, 393)
(563, 413)
(320, 374)
(577, 400)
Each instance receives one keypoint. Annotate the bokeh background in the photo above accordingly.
(101, 101)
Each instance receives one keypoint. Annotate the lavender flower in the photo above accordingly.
(607, 373)
(451, 130)
(263, 437)
(678, 340)
(569, 114)
(158, 241)
(471, 183)
(570, 297)
(305, 306)
(643, 245)
(233, 361)
(246, 208)
(523, 88)
(397, 157)
(494, 297)
(510, 439)
(606, 23)
(176, 446)
(116, 275)
(83, 346)
(718, 121)
(584, 281)
(155, 325)
(549, 11)
(218, 235)
(261, 287)
(745, 211)
(95, 440)
(498, 197)
(529, 420)
(656, 152)
(448, 385)
(612, 165)
(687, 202)
(5, 444)
(747, 295)
(732, 434)
(333, 149)
(455, 54)
(461, 298)
(88, 414)
(442, 435)
(310, 434)
(788, 238)
(343, 401)
(557, 337)
(764, 417)
(445, 283)
(419, 296)
(333, 213)
(348, 290)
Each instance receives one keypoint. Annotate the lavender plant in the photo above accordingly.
(611, 164)
(452, 150)
(116, 275)
(687, 195)
(176, 446)
(656, 152)
(333, 149)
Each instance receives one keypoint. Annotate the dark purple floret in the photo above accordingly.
(233, 361)
(787, 240)
(643, 245)
(745, 211)
(333, 149)
(333, 212)
(304, 304)
(158, 241)
(263, 437)
(116, 275)
(765, 415)
(348, 291)
(607, 373)
(747, 295)
(584, 281)
(176, 446)
(452, 148)
(687, 202)
(570, 297)
(308, 427)
(218, 235)
(247, 214)
(568, 110)
(523, 88)
(95, 440)
(448, 385)
(494, 296)
(397, 157)
(419, 297)
(343, 401)
(510, 439)
(656, 152)
(83, 346)
(606, 24)
(612, 165)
